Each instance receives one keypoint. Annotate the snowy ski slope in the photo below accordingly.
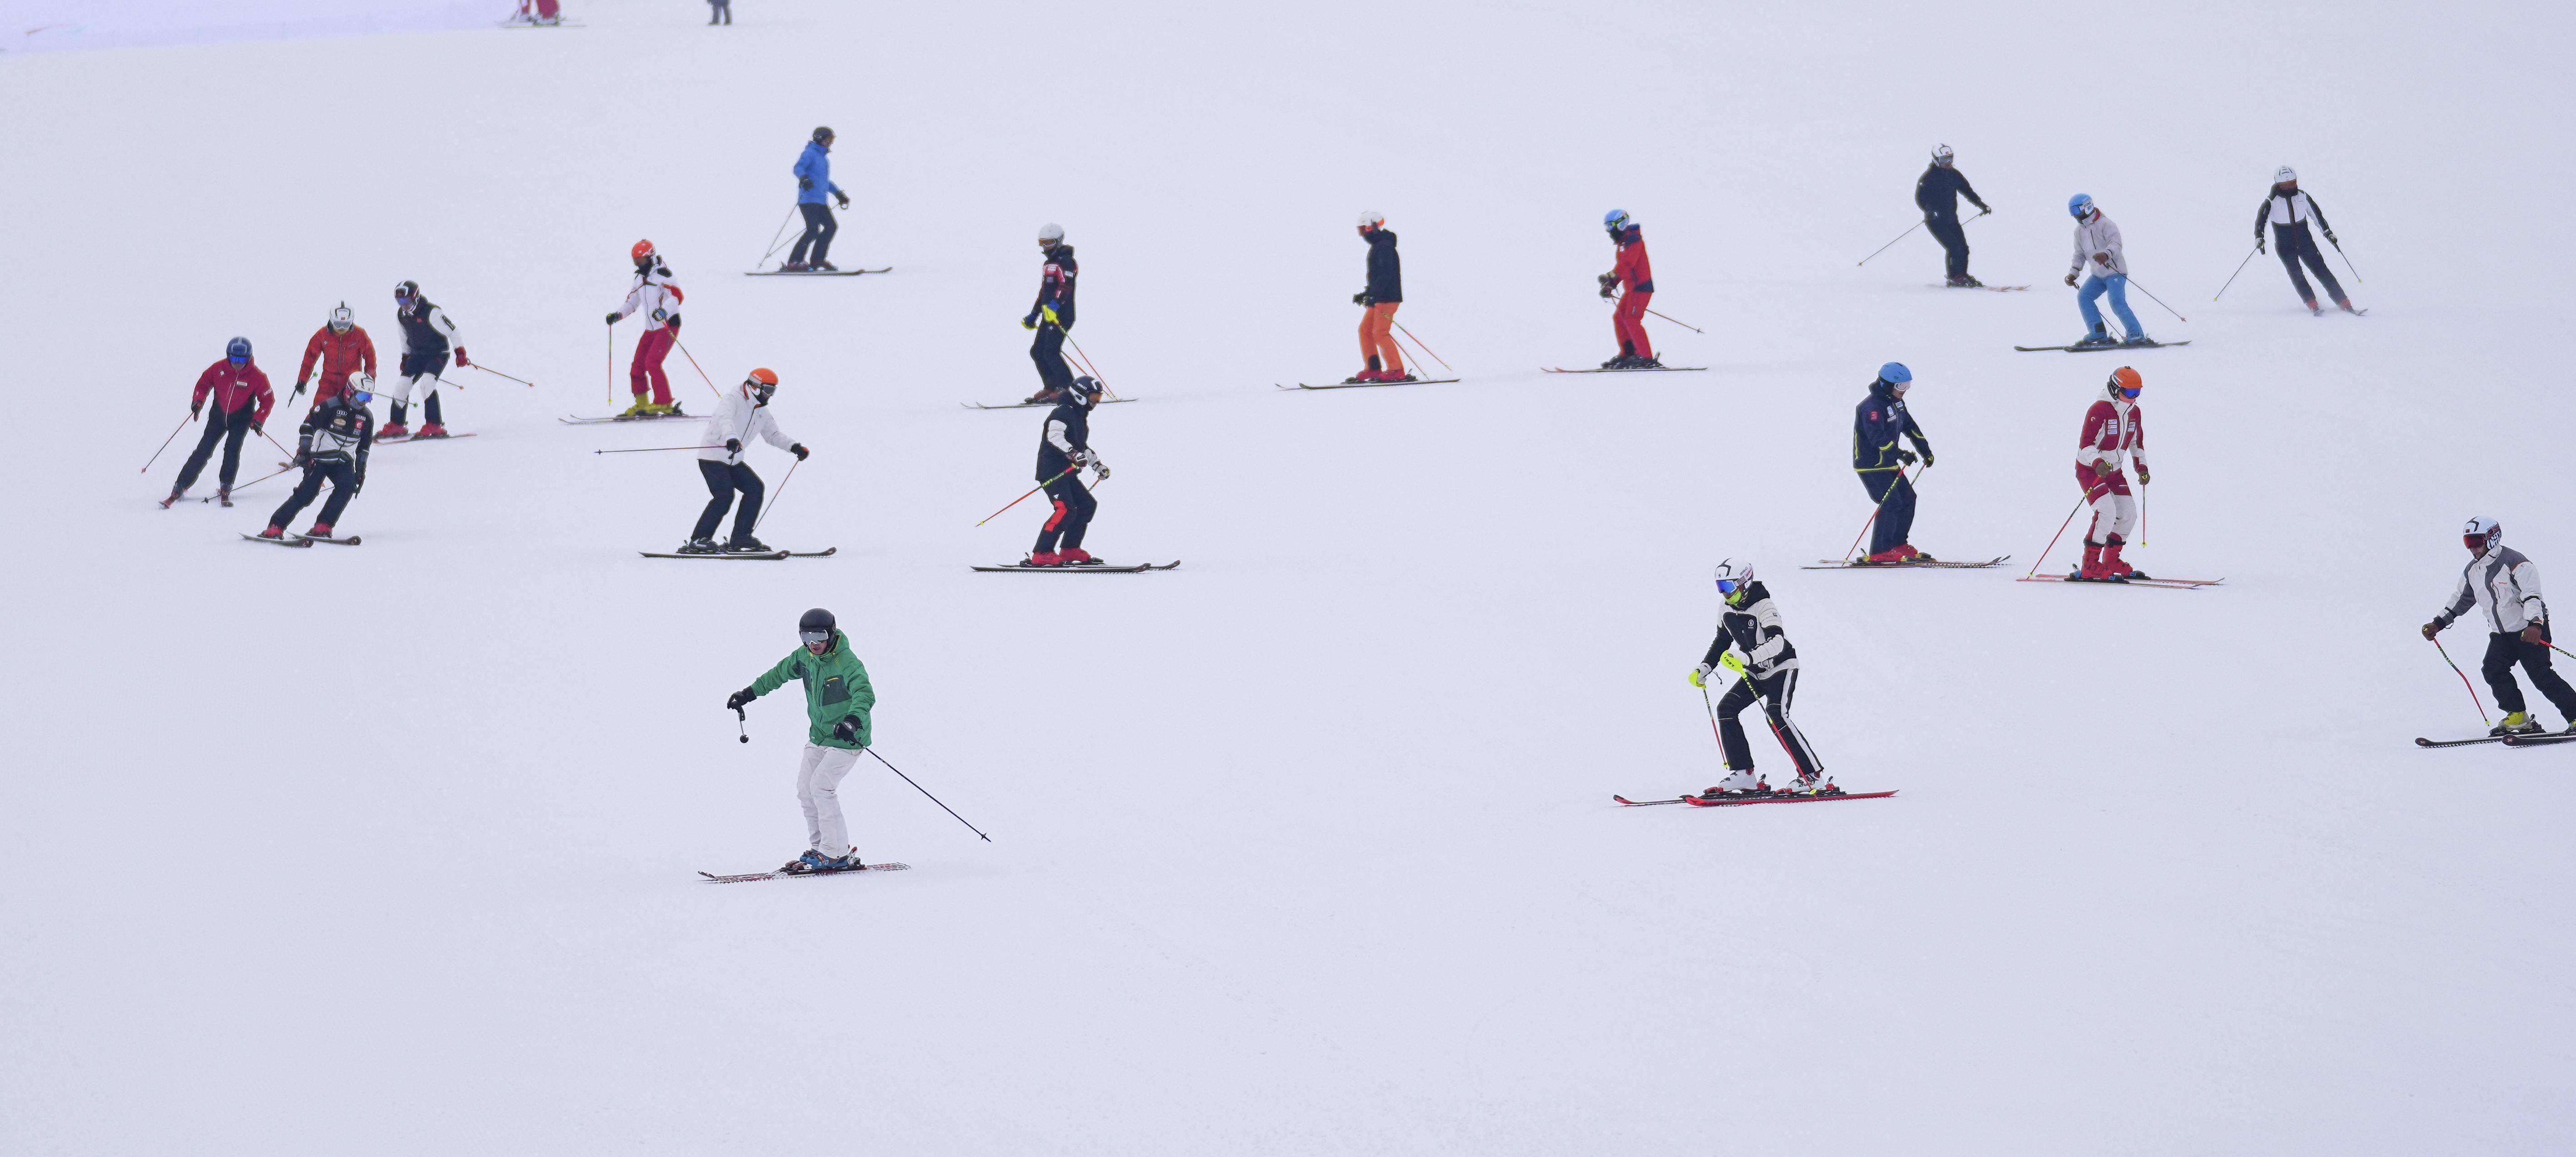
(1306, 847)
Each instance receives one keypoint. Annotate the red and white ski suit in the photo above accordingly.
(339, 353)
(2114, 436)
(655, 297)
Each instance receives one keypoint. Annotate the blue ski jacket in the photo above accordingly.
(814, 175)
(1877, 423)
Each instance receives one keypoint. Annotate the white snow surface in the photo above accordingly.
(1308, 846)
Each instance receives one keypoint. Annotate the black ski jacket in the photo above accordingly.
(1938, 190)
(336, 429)
(1071, 424)
(1055, 286)
(1876, 424)
(1385, 270)
(1754, 630)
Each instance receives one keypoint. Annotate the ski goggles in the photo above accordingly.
(2130, 393)
(1728, 586)
(815, 638)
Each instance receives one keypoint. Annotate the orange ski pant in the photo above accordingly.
(1374, 340)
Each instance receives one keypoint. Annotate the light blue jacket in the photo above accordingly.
(815, 166)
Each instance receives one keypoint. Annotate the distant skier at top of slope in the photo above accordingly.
(2097, 245)
(839, 706)
(1631, 271)
(2114, 435)
(1064, 448)
(813, 181)
(2287, 211)
(1877, 423)
(427, 336)
(1052, 314)
(2505, 586)
(242, 402)
(741, 416)
(1381, 360)
(1752, 643)
(342, 346)
(1937, 193)
(720, 12)
(331, 446)
(654, 295)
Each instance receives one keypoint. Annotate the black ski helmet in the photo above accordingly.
(822, 133)
(1085, 391)
(817, 626)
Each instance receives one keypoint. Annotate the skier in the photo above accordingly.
(1052, 316)
(2097, 243)
(1876, 424)
(1063, 450)
(242, 403)
(2287, 210)
(720, 12)
(427, 336)
(331, 446)
(1384, 293)
(655, 296)
(1628, 322)
(814, 179)
(1751, 643)
(341, 346)
(838, 701)
(742, 415)
(2114, 434)
(2506, 586)
(1937, 193)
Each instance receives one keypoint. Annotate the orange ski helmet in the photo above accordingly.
(642, 252)
(2125, 382)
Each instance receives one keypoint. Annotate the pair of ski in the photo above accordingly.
(1366, 385)
(1033, 405)
(1994, 288)
(813, 272)
(301, 540)
(417, 438)
(2170, 584)
(763, 556)
(1740, 799)
(2102, 346)
(2540, 739)
(580, 421)
(1079, 568)
(1926, 564)
(747, 877)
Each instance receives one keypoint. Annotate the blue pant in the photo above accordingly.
(2118, 284)
(1895, 498)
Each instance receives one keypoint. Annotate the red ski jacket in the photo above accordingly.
(235, 387)
(339, 353)
(1632, 268)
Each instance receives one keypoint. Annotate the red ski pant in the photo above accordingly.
(1376, 341)
(647, 370)
(1629, 321)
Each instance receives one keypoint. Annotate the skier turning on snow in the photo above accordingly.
(331, 446)
(1937, 193)
(1052, 316)
(1378, 302)
(1063, 450)
(342, 347)
(2114, 435)
(814, 180)
(427, 337)
(740, 417)
(1628, 322)
(1879, 420)
(2287, 211)
(658, 299)
(2097, 247)
(242, 403)
(2504, 586)
(838, 700)
(1751, 643)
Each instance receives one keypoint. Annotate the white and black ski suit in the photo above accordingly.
(2504, 586)
(1753, 629)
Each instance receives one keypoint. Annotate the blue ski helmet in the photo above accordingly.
(1895, 374)
(2079, 204)
(1616, 220)
(238, 349)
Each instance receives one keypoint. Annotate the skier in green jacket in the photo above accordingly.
(837, 702)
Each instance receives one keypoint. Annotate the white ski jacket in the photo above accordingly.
(737, 418)
(2503, 584)
(653, 297)
(2099, 235)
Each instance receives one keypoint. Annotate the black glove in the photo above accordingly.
(733, 445)
(847, 729)
(2435, 627)
(357, 483)
(613, 316)
(842, 197)
(799, 451)
(2330, 237)
(1905, 456)
(193, 407)
(672, 323)
(255, 428)
(1926, 448)
(303, 457)
(1361, 298)
(299, 391)
(738, 698)
(2259, 243)
(804, 183)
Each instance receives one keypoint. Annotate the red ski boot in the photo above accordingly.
(320, 530)
(389, 433)
(2113, 567)
(2092, 571)
(273, 532)
(1044, 558)
(1075, 556)
(431, 430)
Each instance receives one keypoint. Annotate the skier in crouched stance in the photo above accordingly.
(741, 416)
(1751, 643)
(2504, 586)
(838, 700)
(331, 446)
(1062, 453)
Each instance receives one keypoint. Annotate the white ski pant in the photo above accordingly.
(818, 789)
(2115, 511)
(405, 384)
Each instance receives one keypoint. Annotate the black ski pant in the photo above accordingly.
(1895, 498)
(1775, 693)
(819, 228)
(723, 10)
(2503, 651)
(2293, 244)
(1954, 240)
(228, 429)
(335, 470)
(1074, 506)
(722, 482)
(1048, 353)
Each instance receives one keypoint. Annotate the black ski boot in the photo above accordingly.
(698, 546)
(746, 545)
(2101, 336)
(175, 495)
(224, 495)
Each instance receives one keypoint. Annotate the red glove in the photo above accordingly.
(460, 358)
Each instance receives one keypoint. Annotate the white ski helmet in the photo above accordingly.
(2482, 535)
(2285, 175)
(1371, 219)
(1941, 154)
(340, 319)
(1732, 577)
(360, 388)
(1050, 234)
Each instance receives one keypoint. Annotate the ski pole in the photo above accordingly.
(608, 381)
(165, 442)
(2347, 260)
(2158, 300)
(497, 373)
(2142, 512)
(2052, 539)
(702, 370)
(260, 479)
(742, 723)
(660, 449)
(2240, 268)
(1882, 505)
(925, 792)
(773, 500)
(2464, 682)
(1093, 370)
(1720, 736)
(775, 238)
(1025, 497)
(273, 442)
(1675, 320)
(1444, 362)
(1909, 231)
